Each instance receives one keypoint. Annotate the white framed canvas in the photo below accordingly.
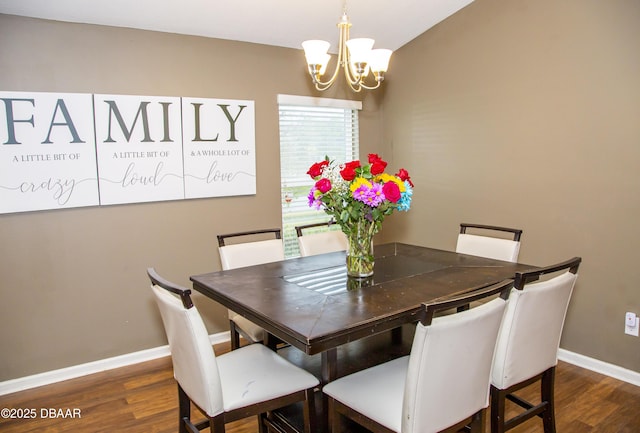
(219, 147)
(139, 148)
(47, 151)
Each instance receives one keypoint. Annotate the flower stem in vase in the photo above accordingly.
(360, 260)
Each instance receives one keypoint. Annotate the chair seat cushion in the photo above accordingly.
(255, 332)
(376, 392)
(256, 373)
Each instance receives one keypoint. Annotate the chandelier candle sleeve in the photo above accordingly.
(359, 197)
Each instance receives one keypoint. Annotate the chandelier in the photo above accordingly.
(355, 56)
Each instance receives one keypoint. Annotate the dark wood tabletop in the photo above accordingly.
(309, 303)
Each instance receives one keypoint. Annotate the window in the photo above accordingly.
(310, 129)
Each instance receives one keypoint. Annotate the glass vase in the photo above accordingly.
(360, 259)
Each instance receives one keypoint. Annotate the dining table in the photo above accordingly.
(310, 302)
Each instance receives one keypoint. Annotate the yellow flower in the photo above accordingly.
(385, 177)
(358, 182)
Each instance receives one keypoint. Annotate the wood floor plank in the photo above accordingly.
(142, 398)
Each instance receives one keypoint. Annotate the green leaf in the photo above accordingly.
(344, 216)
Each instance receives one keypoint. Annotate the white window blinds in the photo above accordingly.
(310, 129)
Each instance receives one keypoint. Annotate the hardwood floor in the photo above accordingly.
(143, 399)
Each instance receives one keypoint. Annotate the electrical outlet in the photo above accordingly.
(631, 324)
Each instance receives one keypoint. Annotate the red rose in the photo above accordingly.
(373, 157)
(323, 185)
(348, 172)
(377, 164)
(404, 176)
(316, 169)
(391, 191)
(378, 167)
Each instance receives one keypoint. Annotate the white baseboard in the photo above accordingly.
(601, 367)
(49, 377)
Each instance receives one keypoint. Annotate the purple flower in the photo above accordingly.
(369, 195)
(314, 198)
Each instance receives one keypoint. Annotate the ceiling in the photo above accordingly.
(284, 23)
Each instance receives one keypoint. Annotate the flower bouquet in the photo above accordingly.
(359, 197)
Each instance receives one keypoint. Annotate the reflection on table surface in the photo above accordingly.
(334, 280)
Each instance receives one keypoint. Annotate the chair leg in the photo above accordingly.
(545, 409)
(498, 402)
(334, 417)
(261, 423)
(309, 411)
(547, 390)
(217, 424)
(235, 335)
(184, 410)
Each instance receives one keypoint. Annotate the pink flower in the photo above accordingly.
(371, 196)
(391, 192)
(323, 185)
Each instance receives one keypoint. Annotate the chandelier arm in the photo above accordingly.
(346, 64)
(370, 87)
(355, 80)
(352, 78)
(343, 26)
(323, 85)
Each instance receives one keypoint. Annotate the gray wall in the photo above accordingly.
(526, 113)
(522, 113)
(73, 284)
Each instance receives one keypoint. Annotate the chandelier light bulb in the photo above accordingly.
(355, 56)
(315, 51)
(379, 59)
(359, 49)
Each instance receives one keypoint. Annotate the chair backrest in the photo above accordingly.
(327, 241)
(498, 248)
(250, 253)
(530, 333)
(194, 361)
(450, 362)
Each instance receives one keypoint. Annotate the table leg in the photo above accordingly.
(329, 372)
(396, 336)
(329, 367)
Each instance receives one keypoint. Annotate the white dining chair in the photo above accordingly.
(244, 254)
(493, 247)
(442, 385)
(312, 242)
(528, 342)
(252, 380)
